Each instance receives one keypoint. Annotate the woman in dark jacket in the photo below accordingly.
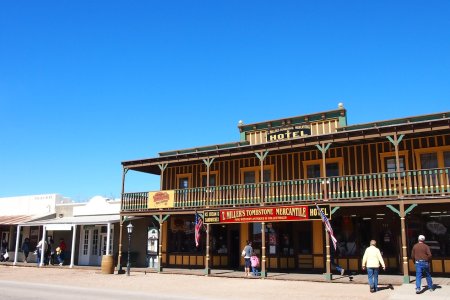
(26, 249)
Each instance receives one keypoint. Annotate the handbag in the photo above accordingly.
(243, 253)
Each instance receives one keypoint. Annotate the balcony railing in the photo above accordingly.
(433, 182)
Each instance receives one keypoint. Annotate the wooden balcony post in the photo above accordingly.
(323, 149)
(162, 167)
(262, 156)
(208, 162)
(396, 141)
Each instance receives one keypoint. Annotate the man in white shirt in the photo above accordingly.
(372, 260)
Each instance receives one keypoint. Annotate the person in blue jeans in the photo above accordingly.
(421, 255)
(372, 260)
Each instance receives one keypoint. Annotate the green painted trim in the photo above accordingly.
(334, 209)
(398, 121)
(298, 120)
(262, 156)
(400, 138)
(156, 218)
(410, 208)
(391, 140)
(162, 167)
(327, 276)
(207, 271)
(165, 218)
(342, 121)
(263, 274)
(242, 136)
(406, 279)
(393, 209)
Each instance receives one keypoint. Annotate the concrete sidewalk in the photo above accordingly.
(385, 280)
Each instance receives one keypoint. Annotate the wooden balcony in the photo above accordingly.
(391, 185)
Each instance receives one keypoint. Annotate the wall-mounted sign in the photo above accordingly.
(266, 214)
(286, 133)
(161, 199)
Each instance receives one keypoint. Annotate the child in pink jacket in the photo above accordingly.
(254, 260)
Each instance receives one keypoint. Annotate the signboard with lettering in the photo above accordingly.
(287, 133)
(161, 199)
(266, 214)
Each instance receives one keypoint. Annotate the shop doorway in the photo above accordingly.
(235, 251)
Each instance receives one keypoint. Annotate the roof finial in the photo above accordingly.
(341, 105)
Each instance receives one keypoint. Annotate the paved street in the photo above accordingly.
(45, 283)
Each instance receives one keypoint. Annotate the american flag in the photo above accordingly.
(198, 227)
(327, 226)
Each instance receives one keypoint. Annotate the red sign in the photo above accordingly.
(265, 214)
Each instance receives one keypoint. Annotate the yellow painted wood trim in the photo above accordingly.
(318, 244)
(339, 160)
(384, 155)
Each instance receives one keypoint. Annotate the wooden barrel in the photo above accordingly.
(107, 264)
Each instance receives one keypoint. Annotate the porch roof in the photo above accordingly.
(18, 219)
(83, 220)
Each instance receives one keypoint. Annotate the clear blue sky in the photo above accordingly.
(85, 85)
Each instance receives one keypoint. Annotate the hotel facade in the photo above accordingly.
(386, 180)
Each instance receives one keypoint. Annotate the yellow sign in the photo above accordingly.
(161, 199)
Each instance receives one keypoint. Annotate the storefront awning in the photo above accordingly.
(82, 220)
(18, 219)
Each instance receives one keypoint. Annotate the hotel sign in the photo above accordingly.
(161, 199)
(287, 133)
(266, 214)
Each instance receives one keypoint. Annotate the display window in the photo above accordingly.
(435, 226)
(181, 235)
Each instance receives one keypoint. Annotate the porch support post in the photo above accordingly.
(119, 257)
(396, 141)
(262, 156)
(328, 276)
(44, 232)
(108, 237)
(161, 221)
(72, 251)
(402, 214)
(323, 149)
(208, 162)
(404, 252)
(207, 261)
(17, 245)
(263, 250)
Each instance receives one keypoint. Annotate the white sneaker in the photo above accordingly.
(342, 272)
(60, 264)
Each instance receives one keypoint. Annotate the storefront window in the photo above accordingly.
(219, 239)
(435, 226)
(181, 235)
(279, 240)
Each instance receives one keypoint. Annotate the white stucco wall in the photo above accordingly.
(30, 205)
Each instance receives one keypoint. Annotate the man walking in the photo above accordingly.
(372, 260)
(421, 255)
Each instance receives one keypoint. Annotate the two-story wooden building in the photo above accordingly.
(386, 180)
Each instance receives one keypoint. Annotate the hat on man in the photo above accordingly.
(421, 238)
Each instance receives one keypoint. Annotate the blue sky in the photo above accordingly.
(85, 85)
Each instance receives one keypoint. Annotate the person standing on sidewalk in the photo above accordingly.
(421, 254)
(26, 249)
(372, 260)
(61, 251)
(247, 253)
